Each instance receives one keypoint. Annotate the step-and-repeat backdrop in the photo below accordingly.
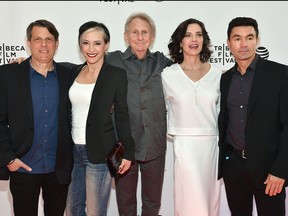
(68, 16)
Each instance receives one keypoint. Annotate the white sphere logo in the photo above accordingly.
(263, 52)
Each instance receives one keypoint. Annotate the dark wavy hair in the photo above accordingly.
(179, 34)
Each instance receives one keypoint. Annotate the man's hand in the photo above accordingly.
(274, 185)
(14, 166)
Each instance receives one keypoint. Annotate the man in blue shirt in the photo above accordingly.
(35, 140)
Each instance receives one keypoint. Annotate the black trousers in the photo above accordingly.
(240, 191)
(25, 189)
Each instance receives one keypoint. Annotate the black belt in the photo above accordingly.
(239, 153)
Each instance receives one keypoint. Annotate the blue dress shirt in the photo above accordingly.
(45, 98)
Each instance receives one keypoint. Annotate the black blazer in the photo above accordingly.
(110, 89)
(16, 118)
(266, 133)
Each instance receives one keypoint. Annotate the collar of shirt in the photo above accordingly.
(251, 67)
(32, 70)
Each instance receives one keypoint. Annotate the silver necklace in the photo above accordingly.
(195, 90)
(196, 73)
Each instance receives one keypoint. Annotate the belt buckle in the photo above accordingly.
(243, 154)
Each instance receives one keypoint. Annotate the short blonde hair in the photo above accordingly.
(142, 16)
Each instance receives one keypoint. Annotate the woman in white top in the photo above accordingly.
(97, 89)
(191, 90)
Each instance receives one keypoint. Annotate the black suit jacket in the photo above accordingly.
(16, 118)
(266, 132)
(110, 90)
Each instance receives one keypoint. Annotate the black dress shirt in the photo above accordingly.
(237, 101)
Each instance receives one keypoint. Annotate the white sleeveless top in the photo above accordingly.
(80, 97)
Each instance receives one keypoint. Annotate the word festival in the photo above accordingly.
(221, 55)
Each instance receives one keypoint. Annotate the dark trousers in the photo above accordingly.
(240, 191)
(152, 173)
(25, 189)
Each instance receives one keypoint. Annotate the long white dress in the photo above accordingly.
(193, 109)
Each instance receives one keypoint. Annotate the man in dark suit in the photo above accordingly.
(35, 140)
(253, 126)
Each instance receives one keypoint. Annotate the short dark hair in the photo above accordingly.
(42, 23)
(179, 34)
(242, 21)
(94, 25)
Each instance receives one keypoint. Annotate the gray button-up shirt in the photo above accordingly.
(145, 100)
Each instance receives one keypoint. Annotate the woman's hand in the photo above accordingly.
(18, 60)
(125, 165)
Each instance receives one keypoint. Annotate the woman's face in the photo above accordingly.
(93, 46)
(192, 42)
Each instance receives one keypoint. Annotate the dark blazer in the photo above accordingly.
(16, 118)
(266, 133)
(110, 90)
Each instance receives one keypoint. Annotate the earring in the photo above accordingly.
(180, 51)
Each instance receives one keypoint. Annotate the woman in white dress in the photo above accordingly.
(191, 89)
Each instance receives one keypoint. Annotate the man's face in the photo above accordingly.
(42, 45)
(139, 37)
(243, 43)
